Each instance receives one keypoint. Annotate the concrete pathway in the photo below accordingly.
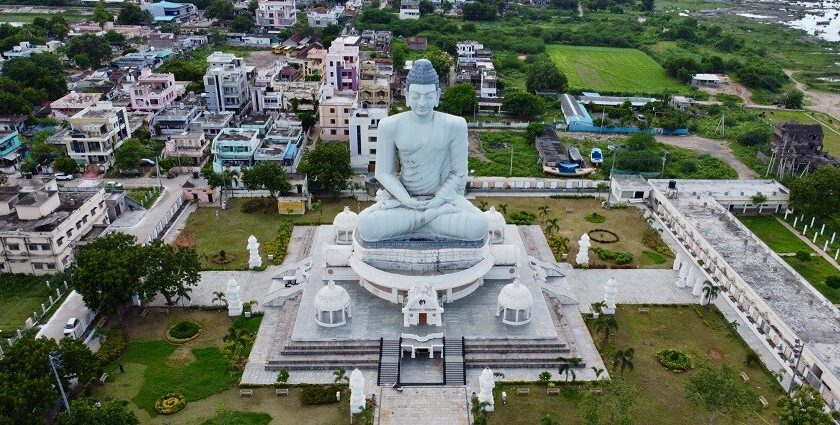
(438, 405)
(635, 286)
(813, 246)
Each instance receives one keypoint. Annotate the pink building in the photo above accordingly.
(153, 91)
(341, 64)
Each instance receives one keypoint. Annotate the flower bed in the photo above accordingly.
(183, 331)
(223, 257)
(603, 236)
(674, 360)
(618, 257)
(170, 403)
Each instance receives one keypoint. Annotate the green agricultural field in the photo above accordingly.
(612, 70)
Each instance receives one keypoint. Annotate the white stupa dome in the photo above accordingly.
(515, 296)
(495, 219)
(346, 220)
(331, 298)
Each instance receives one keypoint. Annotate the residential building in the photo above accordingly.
(321, 17)
(418, 44)
(23, 50)
(211, 123)
(706, 80)
(468, 50)
(798, 148)
(283, 143)
(475, 66)
(250, 40)
(154, 91)
(129, 31)
(226, 83)
(375, 92)
(40, 229)
(168, 12)
(72, 103)
(364, 124)
(233, 148)
(261, 123)
(276, 15)
(10, 143)
(341, 64)
(95, 133)
(174, 119)
(410, 9)
(286, 96)
(150, 58)
(334, 113)
(189, 148)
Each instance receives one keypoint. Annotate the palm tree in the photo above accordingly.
(567, 366)
(220, 297)
(623, 359)
(606, 325)
(597, 308)
(543, 211)
(552, 225)
(238, 340)
(341, 375)
(502, 208)
(316, 206)
(710, 292)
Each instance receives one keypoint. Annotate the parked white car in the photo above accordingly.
(64, 176)
(73, 328)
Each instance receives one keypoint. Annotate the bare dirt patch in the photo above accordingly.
(476, 149)
(716, 356)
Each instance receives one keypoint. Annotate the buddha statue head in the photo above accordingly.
(422, 88)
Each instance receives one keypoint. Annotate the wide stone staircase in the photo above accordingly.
(389, 362)
(453, 361)
(515, 353)
(326, 355)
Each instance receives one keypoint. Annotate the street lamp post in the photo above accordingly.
(55, 363)
(797, 354)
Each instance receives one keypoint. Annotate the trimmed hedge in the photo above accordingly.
(674, 360)
(183, 331)
(112, 347)
(319, 394)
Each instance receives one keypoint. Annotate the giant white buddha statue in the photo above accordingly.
(421, 162)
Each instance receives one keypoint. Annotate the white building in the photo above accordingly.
(321, 17)
(364, 124)
(275, 15)
(341, 64)
(72, 103)
(226, 83)
(706, 80)
(95, 132)
(410, 9)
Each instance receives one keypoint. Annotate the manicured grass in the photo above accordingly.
(831, 128)
(627, 223)
(774, 234)
(655, 257)
(146, 196)
(496, 147)
(815, 272)
(203, 226)
(612, 69)
(20, 296)
(228, 417)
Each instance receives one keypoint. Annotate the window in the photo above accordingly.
(332, 121)
(50, 266)
(60, 241)
(346, 132)
(14, 246)
(332, 110)
(84, 219)
(37, 266)
(78, 224)
(45, 247)
(32, 246)
(93, 211)
(332, 131)
(69, 233)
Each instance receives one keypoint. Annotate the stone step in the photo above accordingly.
(357, 351)
(319, 365)
(513, 350)
(514, 363)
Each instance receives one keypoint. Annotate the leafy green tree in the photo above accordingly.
(252, 6)
(114, 38)
(39, 72)
(648, 5)
(327, 166)
(522, 104)
(710, 292)
(133, 14)
(426, 7)
(534, 129)
(129, 155)
(544, 76)
(793, 99)
(107, 271)
(818, 193)
(169, 271)
(459, 99)
(85, 412)
(611, 406)
(82, 61)
(266, 175)
(101, 15)
(754, 134)
(803, 256)
(833, 281)
(441, 61)
(545, 376)
(307, 120)
(96, 48)
(720, 392)
(806, 406)
(216, 37)
(244, 22)
(29, 165)
(219, 9)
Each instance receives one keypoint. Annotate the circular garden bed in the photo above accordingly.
(674, 360)
(603, 236)
(170, 403)
(183, 331)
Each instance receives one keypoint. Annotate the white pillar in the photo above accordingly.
(677, 261)
(759, 208)
(786, 213)
(795, 220)
(745, 208)
(698, 285)
(835, 254)
(815, 236)
(822, 229)
(812, 221)
(682, 275)
(832, 236)
(805, 230)
(825, 247)
(690, 276)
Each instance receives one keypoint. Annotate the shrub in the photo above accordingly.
(559, 244)
(595, 218)
(277, 247)
(112, 347)
(183, 331)
(522, 218)
(652, 240)
(263, 204)
(319, 394)
(618, 257)
(833, 281)
(170, 403)
(674, 360)
(222, 257)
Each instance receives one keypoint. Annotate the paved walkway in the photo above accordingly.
(412, 405)
(635, 286)
(813, 246)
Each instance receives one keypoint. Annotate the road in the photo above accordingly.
(716, 148)
(819, 101)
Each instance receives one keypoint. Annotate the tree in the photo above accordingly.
(266, 175)
(169, 271)
(459, 99)
(623, 359)
(806, 406)
(216, 37)
(476, 11)
(65, 164)
(441, 61)
(327, 166)
(283, 375)
(244, 22)
(341, 375)
(818, 193)
(606, 325)
(803, 256)
(545, 376)
(720, 392)
(522, 104)
(567, 366)
(503, 208)
(39, 72)
(759, 198)
(253, 5)
(106, 271)
(237, 341)
(794, 99)
(114, 38)
(133, 14)
(710, 292)
(533, 130)
(611, 405)
(82, 61)
(754, 134)
(544, 76)
(220, 297)
(129, 155)
(101, 15)
(833, 281)
(648, 5)
(307, 120)
(85, 412)
(97, 49)
(552, 225)
(219, 9)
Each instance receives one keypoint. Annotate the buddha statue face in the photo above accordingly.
(423, 98)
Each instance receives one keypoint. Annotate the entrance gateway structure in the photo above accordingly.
(423, 271)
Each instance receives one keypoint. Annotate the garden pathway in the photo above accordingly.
(635, 286)
(813, 246)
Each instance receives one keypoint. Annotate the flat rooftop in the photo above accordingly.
(723, 188)
(69, 202)
(214, 118)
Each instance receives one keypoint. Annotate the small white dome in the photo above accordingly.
(495, 219)
(346, 220)
(515, 296)
(331, 298)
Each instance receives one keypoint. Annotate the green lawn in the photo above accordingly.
(815, 271)
(612, 69)
(774, 234)
(831, 128)
(228, 417)
(699, 332)
(495, 157)
(20, 296)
